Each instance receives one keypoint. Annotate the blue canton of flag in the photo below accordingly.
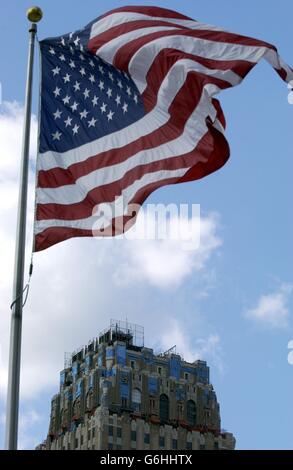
(83, 98)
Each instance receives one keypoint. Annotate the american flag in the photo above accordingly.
(127, 106)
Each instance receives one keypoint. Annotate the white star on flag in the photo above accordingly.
(68, 121)
(66, 99)
(92, 122)
(76, 86)
(75, 129)
(103, 108)
(110, 115)
(83, 114)
(74, 106)
(57, 92)
(86, 93)
(95, 100)
(76, 41)
(56, 70)
(57, 135)
(66, 78)
(57, 114)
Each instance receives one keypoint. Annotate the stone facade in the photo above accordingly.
(116, 395)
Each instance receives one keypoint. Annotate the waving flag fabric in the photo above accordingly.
(127, 106)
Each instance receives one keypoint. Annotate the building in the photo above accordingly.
(115, 393)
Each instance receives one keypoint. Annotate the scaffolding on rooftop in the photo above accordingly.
(123, 331)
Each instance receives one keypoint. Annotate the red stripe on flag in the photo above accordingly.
(167, 58)
(218, 158)
(107, 193)
(126, 52)
(180, 110)
(150, 11)
(99, 40)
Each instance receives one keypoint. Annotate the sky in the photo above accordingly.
(229, 302)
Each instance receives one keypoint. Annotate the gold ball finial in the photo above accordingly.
(34, 14)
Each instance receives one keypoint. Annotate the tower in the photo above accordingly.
(115, 393)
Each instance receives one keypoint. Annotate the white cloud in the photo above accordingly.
(29, 419)
(28, 429)
(11, 124)
(77, 285)
(166, 263)
(207, 349)
(272, 309)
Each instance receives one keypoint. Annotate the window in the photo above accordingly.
(93, 447)
(110, 430)
(161, 441)
(164, 408)
(180, 411)
(76, 408)
(136, 399)
(191, 413)
(89, 400)
(81, 440)
(159, 370)
(132, 364)
(88, 435)
(119, 432)
(133, 436)
(139, 377)
(93, 432)
(207, 416)
(110, 446)
(124, 402)
(147, 438)
(76, 443)
(189, 445)
(174, 443)
(152, 405)
(186, 376)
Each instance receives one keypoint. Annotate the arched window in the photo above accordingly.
(191, 413)
(89, 400)
(76, 408)
(136, 399)
(180, 409)
(164, 408)
(62, 419)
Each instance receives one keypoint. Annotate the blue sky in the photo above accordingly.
(233, 304)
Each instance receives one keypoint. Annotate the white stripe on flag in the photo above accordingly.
(116, 19)
(127, 194)
(194, 130)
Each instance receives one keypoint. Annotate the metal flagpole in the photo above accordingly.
(34, 15)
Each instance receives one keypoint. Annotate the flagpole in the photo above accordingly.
(34, 15)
